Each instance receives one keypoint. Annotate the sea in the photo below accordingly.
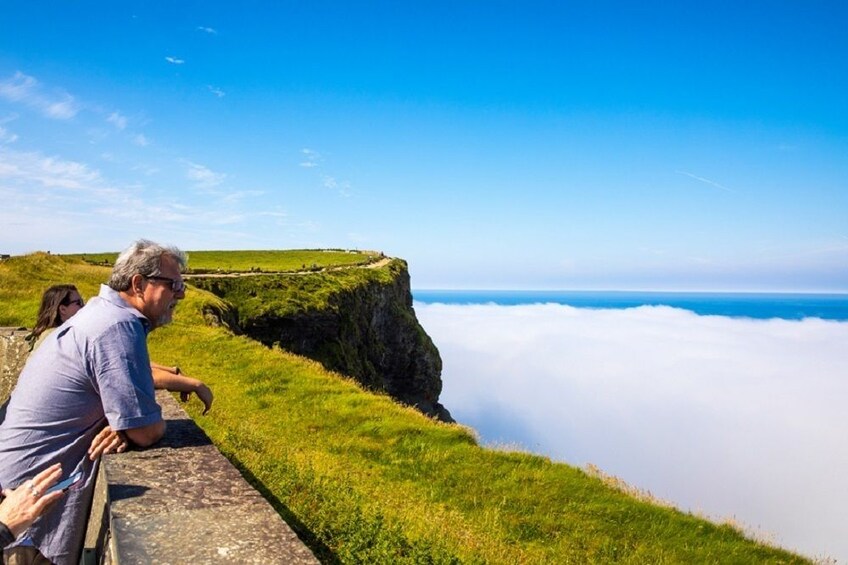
(727, 405)
(787, 306)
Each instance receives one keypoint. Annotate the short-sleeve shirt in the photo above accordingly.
(92, 370)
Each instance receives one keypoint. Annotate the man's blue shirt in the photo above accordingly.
(92, 370)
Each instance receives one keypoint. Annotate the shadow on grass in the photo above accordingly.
(321, 550)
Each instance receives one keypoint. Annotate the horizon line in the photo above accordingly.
(843, 292)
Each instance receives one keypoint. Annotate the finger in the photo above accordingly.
(46, 474)
(98, 440)
(124, 442)
(97, 450)
(184, 396)
(47, 478)
(115, 444)
(47, 500)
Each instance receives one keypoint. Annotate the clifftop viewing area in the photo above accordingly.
(327, 442)
(180, 501)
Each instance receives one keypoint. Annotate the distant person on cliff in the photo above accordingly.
(93, 371)
(60, 302)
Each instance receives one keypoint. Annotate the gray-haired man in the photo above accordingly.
(91, 372)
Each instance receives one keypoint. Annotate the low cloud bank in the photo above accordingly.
(732, 418)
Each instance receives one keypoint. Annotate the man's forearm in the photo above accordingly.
(165, 379)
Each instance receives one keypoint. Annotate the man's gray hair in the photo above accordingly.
(144, 257)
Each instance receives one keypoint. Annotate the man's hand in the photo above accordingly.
(203, 393)
(173, 380)
(107, 441)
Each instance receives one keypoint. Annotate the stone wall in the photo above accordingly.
(13, 353)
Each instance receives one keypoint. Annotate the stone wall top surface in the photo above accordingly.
(182, 501)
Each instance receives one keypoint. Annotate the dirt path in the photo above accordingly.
(373, 265)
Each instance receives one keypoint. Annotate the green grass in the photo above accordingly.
(365, 480)
(283, 295)
(24, 279)
(265, 261)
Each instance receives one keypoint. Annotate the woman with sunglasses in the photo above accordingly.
(61, 301)
(58, 303)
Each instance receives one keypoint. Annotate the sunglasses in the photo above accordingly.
(79, 302)
(177, 285)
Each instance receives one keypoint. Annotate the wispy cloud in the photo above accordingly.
(7, 136)
(311, 158)
(216, 91)
(342, 187)
(117, 120)
(240, 195)
(209, 30)
(49, 172)
(62, 110)
(141, 140)
(202, 176)
(174, 60)
(705, 181)
(27, 90)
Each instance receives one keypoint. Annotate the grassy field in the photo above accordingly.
(365, 480)
(282, 295)
(265, 261)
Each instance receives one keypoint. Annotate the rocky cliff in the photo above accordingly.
(359, 322)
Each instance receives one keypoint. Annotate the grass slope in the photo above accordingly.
(363, 479)
(268, 261)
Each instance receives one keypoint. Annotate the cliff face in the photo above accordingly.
(366, 329)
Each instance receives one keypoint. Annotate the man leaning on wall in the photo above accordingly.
(88, 390)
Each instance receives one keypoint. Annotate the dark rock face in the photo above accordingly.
(369, 333)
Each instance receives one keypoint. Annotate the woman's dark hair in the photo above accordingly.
(48, 314)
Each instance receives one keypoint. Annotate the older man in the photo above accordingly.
(92, 372)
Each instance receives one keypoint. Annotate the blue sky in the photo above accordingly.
(553, 145)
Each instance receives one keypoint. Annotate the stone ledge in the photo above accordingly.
(182, 501)
(13, 353)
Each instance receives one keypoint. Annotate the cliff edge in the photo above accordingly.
(356, 321)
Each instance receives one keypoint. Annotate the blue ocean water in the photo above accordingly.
(736, 305)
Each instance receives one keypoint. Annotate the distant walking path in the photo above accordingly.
(373, 265)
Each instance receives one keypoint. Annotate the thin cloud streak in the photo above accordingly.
(202, 176)
(705, 181)
(25, 89)
(117, 120)
(728, 417)
(174, 60)
(7, 136)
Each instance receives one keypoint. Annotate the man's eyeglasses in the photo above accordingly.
(177, 285)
